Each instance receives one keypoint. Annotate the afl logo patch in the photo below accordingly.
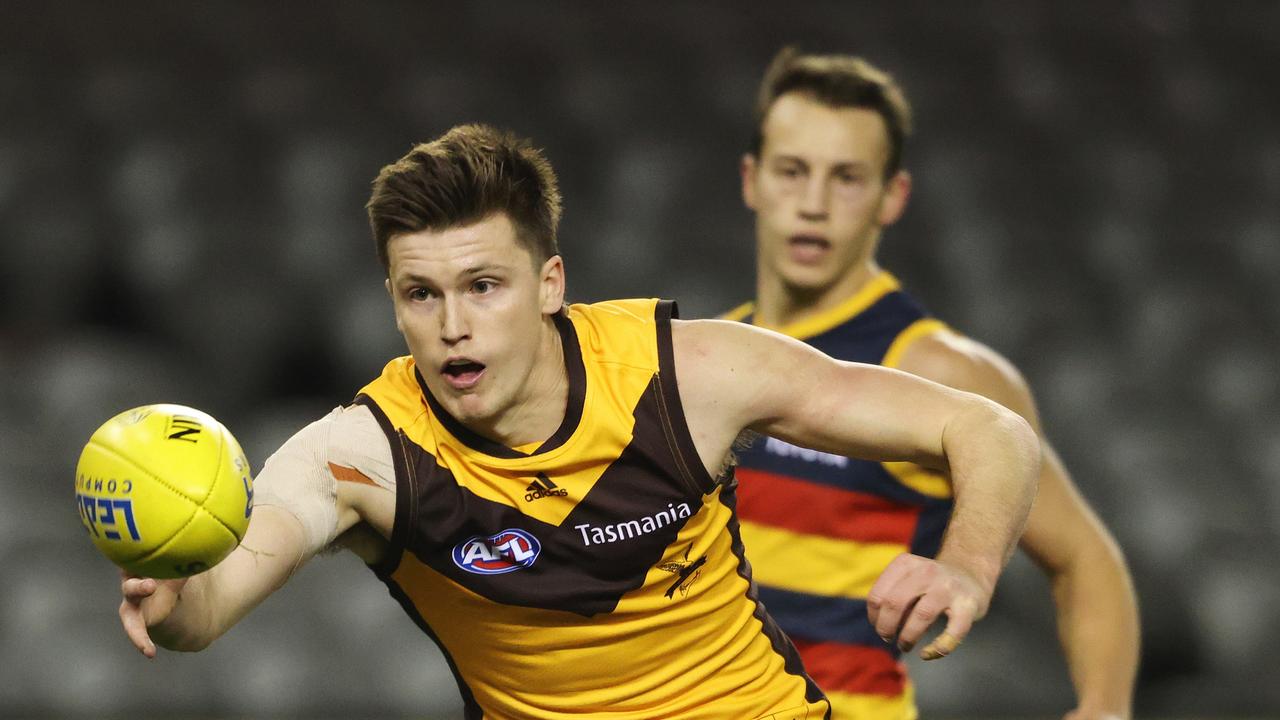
(510, 550)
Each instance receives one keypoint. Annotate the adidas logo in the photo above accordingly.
(542, 487)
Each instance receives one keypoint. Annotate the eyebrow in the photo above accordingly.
(482, 269)
(849, 165)
(411, 277)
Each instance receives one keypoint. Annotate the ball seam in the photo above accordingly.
(197, 504)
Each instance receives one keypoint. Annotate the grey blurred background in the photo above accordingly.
(181, 189)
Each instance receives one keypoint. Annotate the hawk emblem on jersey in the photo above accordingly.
(507, 551)
(687, 573)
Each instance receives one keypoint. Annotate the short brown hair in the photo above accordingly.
(462, 177)
(837, 81)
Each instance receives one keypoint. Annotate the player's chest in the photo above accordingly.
(568, 535)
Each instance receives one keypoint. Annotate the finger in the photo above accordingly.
(921, 618)
(135, 589)
(897, 569)
(960, 617)
(897, 605)
(135, 626)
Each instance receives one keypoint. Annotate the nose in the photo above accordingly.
(813, 203)
(454, 326)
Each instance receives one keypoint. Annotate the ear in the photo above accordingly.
(395, 306)
(551, 281)
(895, 198)
(748, 168)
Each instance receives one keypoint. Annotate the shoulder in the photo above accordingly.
(357, 442)
(347, 438)
(718, 356)
(618, 315)
(957, 361)
(621, 330)
(729, 339)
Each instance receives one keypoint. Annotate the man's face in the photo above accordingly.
(470, 302)
(818, 190)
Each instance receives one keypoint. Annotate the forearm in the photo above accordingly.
(994, 458)
(1098, 626)
(212, 602)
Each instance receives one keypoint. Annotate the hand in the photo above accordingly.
(1081, 713)
(915, 591)
(147, 603)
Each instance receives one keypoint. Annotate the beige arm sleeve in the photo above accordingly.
(302, 476)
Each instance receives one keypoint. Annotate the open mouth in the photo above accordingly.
(462, 373)
(807, 249)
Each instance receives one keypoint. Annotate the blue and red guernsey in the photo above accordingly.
(820, 528)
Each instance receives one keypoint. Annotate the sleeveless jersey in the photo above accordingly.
(598, 575)
(821, 528)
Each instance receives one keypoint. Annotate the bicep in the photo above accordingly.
(297, 480)
(864, 411)
(775, 385)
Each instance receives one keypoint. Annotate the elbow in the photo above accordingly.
(1027, 445)
(1018, 434)
(1013, 439)
(1027, 440)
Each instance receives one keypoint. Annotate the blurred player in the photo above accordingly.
(542, 487)
(824, 177)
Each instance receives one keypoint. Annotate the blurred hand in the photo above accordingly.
(147, 603)
(913, 592)
(1086, 714)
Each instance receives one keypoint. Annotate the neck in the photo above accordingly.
(541, 406)
(779, 303)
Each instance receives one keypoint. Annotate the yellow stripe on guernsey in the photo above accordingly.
(739, 313)
(878, 287)
(816, 564)
(849, 706)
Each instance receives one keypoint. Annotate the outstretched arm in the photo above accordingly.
(734, 377)
(298, 511)
(1097, 608)
(190, 613)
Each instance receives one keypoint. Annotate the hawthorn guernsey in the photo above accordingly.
(595, 535)
(618, 544)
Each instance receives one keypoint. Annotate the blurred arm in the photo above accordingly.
(734, 376)
(1096, 604)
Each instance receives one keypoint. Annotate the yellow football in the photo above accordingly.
(164, 491)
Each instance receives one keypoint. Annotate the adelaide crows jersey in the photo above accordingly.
(821, 528)
(598, 575)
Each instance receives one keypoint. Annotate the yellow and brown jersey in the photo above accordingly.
(821, 528)
(597, 575)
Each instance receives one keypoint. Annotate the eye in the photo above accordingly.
(419, 294)
(789, 172)
(483, 287)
